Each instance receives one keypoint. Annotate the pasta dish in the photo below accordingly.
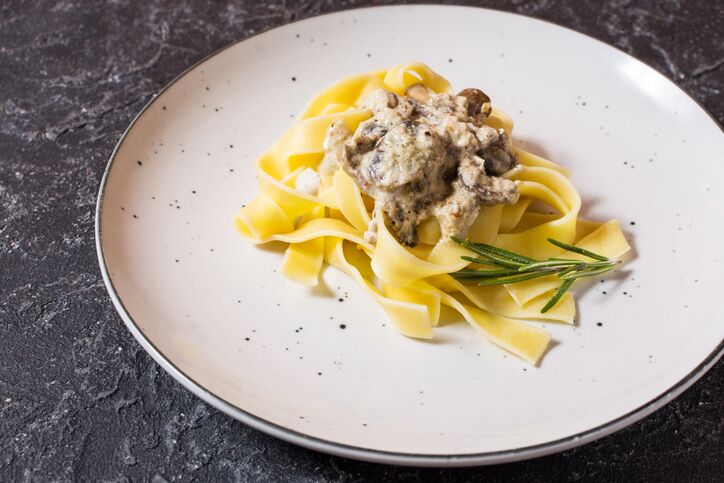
(415, 192)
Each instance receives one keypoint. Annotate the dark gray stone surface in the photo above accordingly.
(80, 399)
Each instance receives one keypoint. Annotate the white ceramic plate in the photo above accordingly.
(213, 311)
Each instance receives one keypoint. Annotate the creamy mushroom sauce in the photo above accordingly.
(425, 155)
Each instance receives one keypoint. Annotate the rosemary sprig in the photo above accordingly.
(513, 267)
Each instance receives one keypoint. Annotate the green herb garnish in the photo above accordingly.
(512, 267)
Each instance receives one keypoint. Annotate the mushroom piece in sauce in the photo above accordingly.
(425, 155)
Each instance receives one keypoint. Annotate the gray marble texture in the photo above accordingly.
(80, 399)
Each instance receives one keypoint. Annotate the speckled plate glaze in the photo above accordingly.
(319, 367)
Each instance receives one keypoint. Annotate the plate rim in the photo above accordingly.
(358, 452)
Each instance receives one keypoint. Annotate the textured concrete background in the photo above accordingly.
(79, 398)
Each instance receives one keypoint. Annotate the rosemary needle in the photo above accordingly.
(513, 267)
(557, 295)
(512, 279)
(575, 249)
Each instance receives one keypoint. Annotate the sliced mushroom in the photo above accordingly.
(478, 102)
(418, 92)
(498, 156)
(399, 221)
(490, 190)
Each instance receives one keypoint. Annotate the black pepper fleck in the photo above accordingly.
(342, 326)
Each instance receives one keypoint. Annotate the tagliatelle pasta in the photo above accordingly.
(411, 284)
